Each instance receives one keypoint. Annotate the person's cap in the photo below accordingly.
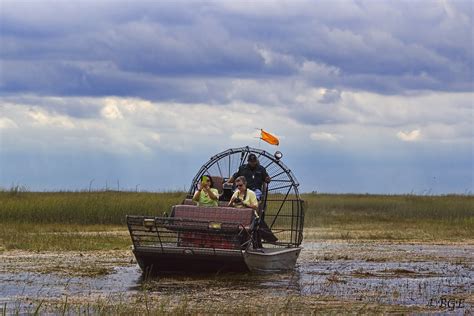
(252, 157)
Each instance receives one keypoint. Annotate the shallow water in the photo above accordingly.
(122, 279)
(398, 274)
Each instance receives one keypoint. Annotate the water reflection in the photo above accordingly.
(275, 283)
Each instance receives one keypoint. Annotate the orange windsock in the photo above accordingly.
(269, 138)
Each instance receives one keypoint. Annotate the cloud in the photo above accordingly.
(195, 51)
(130, 125)
(42, 118)
(330, 96)
(184, 133)
(412, 136)
(111, 112)
(245, 137)
(7, 123)
(324, 136)
(355, 119)
(156, 137)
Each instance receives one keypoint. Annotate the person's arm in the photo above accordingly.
(234, 176)
(253, 203)
(252, 206)
(213, 195)
(266, 177)
(231, 202)
(197, 194)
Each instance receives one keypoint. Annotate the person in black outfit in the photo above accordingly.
(254, 173)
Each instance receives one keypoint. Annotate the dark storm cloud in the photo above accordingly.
(167, 50)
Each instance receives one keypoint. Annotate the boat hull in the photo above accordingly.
(189, 260)
(271, 259)
(200, 260)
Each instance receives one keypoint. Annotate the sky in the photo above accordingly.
(365, 96)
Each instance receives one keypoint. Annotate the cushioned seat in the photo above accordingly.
(191, 202)
(188, 202)
(211, 227)
(242, 216)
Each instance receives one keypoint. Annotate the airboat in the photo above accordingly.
(212, 239)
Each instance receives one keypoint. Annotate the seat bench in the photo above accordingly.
(191, 202)
(195, 224)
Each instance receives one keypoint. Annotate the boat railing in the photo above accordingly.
(285, 218)
(172, 232)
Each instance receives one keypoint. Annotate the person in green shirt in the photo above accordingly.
(206, 195)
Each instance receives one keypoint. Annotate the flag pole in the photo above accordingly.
(259, 139)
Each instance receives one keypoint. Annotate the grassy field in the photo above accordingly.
(96, 220)
(447, 218)
(82, 208)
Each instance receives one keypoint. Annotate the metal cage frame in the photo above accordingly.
(281, 204)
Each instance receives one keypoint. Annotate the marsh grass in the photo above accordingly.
(57, 220)
(110, 207)
(73, 237)
(324, 209)
(60, 220)
(85, 208)
(389, 217)
(184, 305)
